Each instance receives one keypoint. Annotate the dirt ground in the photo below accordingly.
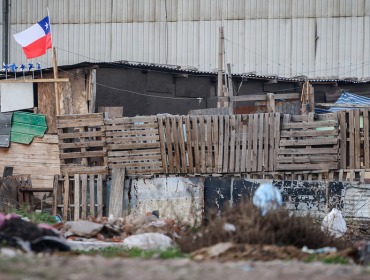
(97, 268)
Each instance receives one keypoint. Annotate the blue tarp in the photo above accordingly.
(346, 98)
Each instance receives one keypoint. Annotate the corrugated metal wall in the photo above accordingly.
(285, 37)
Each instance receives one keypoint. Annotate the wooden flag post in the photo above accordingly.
(55, 70)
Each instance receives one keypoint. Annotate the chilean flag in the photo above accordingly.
(36, 39)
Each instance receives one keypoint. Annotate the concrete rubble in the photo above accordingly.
(145, 231)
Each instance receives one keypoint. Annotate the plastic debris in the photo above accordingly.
(319, 251)
(334, 224)
(267, 197)
(148, 241)
(229, 227)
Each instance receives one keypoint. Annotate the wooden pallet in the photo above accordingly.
(219, 144)
(82, 144)
(302, 147)
(133, 143)
(355, 139)
(79, 189)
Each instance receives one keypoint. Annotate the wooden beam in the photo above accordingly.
(270, 103)
(117, 192)
(34, 81)
(341, 105)
(261, 97)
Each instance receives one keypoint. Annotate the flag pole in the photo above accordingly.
(55, 70)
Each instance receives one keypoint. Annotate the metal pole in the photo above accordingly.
(5, 38)
(219, 81)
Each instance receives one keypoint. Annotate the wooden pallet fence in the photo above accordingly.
(134, 144)
(78, 196)
(304, 147)
(355, 141)
(219, 144)
(82, 145)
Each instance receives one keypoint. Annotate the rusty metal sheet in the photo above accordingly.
(302, 197)
(177, 198)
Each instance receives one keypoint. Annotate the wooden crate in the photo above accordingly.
(133, 143)
(76, 196)
(302, 147)
(82, 144)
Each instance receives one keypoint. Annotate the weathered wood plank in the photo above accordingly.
(209, 144)
(66, 197)
(239, 127)
(80, 123)
(175, 144)
(231, 168)
(99, 195)
(92, 194)
(255, 143)
(312, 151)
(202, 145)
(141, 171)
(272, 141)
(305, 133)
(136, 158)
(131, 120)
(308, 159)
(309, 142)
(220, 143)
(189, 144)
(276, 136)
(260, 142)
(249, 143)
(79, 169)
(343, 138)
(80, 134)
(330, 123)
(82, 145)
(351, 140)
(130, 139)
(117, 192)
(365, 113)
(131, 153)
(84, 196)
(215, 140)
(132, 146)
(357, 139)
(56, 194)
(317, 166)
(82, 154)
(195, 141)
(77, 197)
(181, 139)
(266, 142)
(244, 143)
(226, 144)
(162, 145)
(145, 128)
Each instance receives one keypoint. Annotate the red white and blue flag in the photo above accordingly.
(36, 39)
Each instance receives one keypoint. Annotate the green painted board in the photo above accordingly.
(27, 125)
(21, 138)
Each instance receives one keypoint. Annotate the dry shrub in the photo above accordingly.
(276, 227)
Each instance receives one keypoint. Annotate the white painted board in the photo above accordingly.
(17, 96)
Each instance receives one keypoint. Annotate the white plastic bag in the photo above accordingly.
(334, 223)
(267, 197)
(148, 241)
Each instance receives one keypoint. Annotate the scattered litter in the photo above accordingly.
(319, 251)
(267, 197)
(229, 227)
(18, 233)
(334, 223)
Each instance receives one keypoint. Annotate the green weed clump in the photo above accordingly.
(111, 252)
(34, 217)
(327, 260)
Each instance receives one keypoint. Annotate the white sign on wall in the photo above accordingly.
(17, 96)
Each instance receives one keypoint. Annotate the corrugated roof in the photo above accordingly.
(190, 70)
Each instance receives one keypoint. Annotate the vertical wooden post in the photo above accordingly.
(55, 70)
(311, 98)
(231, 89)
(219, 81)
(270, 102)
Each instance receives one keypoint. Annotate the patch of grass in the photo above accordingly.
(110, 252)
(34, 217)
(327, 260)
